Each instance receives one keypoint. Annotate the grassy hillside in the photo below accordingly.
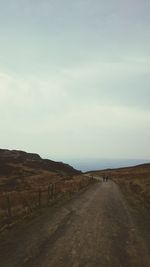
(28, 182)
(20, 170)
(134, 180)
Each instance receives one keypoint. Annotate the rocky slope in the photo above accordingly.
(20, 170)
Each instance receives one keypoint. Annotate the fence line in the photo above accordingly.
(22, 203)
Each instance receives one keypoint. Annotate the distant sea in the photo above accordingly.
(100, 164)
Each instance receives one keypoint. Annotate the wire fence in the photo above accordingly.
(20, 204)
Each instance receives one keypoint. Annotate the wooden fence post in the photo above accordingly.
(9, 208)
(53, 191)
(49, 193)
(39, 197)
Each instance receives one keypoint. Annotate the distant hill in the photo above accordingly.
(134, 180)
(86, 165)
(144, 167)
(22, 170)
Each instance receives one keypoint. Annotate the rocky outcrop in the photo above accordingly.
(21, 169)
(10, 159)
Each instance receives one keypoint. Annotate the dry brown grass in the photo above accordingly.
(21, 203)
(28, 182)
(134, 180)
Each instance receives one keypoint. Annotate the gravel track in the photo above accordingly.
(94, 229)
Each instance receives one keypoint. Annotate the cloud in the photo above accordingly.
(119, 83)
(75, 79)
(67, 114)
(28, 104)
(55, 102)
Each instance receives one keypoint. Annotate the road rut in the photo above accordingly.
(97, 230)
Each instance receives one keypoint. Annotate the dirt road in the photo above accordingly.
(95, 229)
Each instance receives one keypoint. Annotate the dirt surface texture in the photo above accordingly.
(96, 228)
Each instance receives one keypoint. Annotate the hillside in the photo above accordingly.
(20, 170)
(133, 180)
(29, 183)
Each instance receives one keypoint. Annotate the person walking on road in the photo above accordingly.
(105, 178)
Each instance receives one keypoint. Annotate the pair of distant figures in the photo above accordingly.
(105, 178)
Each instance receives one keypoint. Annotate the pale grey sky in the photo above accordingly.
(75, 78)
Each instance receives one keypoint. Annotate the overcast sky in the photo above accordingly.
(75, 78)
